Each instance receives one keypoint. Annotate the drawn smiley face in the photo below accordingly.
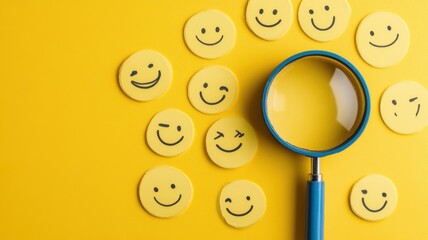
(170, 133)
(210, 34)
(165, 191)
(213, 89)
(382, 39)
(403, 107)
(269, 20)
(373, 198)
(242, 203)
(145, 75)
(231, 142)
(324, 20)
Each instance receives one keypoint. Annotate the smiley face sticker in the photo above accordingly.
(382, 39)
(210, 34)
(374, 197)
(324, 20)
(145, 75)
(231, 142)
(242, 203)
(269, 19)
(404, 107)
(213, 89)
(165, 191)
(170, 132)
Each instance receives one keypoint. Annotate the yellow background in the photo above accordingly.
(72, 147)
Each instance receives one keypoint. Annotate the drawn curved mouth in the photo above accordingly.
(147, 85)
(240, 214)
(167, 143)
(323, 29)
(227, 150)
(210, 44)
(376, 210)
(384, 46)
(268, 25)
(168, 205)
(211, 103)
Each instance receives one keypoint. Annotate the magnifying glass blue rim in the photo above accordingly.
(357, 132)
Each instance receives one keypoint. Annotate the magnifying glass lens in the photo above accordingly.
(315, 103)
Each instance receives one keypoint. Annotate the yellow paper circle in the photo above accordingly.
(210, 34)
(145, 75)
(170, 132)
(213, 89)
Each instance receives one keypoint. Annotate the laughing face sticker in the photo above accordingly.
(404, 107)
(242, 203)
(324, 20)
(210, 34)
(170, 133)
(373, 198)
(165, 192)
(145, 75)
(231, 142)
(382, 39)
(213, 89)
(269, 19)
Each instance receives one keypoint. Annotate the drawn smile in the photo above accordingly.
(323, 29)
(384, 46)
(227, 150)
(267, 25)
(211, 103)
(168, 205)
(146, 85)
(209, 44)
(376, 210)
(240, 214)
(166, 143)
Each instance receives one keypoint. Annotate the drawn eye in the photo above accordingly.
(220, 134)
(239, 134)
(164, 125)
(364, 191)
(228, 200)
(133, 73)
(413, 99)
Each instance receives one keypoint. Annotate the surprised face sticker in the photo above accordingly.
(324, 20)
(269, 19)
(231, 142)
(213, 89)
(210, 34)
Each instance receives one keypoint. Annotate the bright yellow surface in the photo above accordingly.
(72, 148)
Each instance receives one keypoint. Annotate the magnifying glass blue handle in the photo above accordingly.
(315, 210)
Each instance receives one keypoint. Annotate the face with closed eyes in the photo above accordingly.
(404, 107)
(170, 132)
(231, 142)
(324, 20)
(145, 75)
(382, 39)
(242, 203)
(269, 19)
(165, 191)
(213, 89)
(210, 34)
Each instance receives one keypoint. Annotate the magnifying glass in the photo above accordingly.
(316, 103)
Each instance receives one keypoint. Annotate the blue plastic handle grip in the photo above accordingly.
(315, 211)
